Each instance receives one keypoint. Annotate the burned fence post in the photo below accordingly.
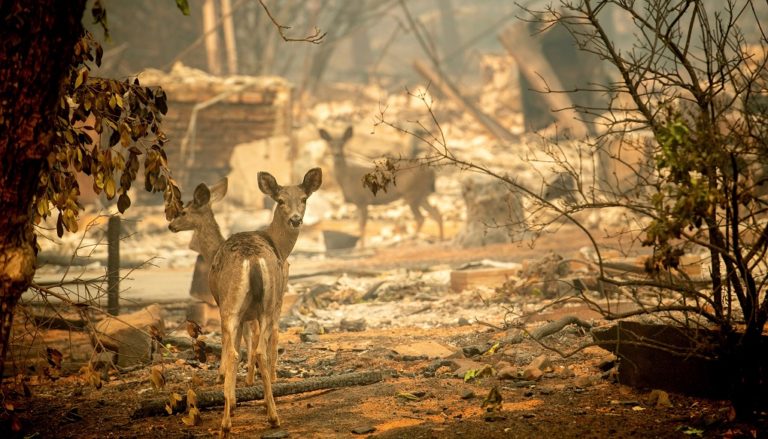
(113, 265)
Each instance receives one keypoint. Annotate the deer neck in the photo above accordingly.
(340, 164)
(207, 239)
(282, 235)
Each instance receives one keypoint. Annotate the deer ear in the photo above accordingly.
(219, 189)
(347, 133)
(324, 134)
(268, 184)
(202, 195)
(312, 180)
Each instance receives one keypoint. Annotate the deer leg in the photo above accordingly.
(245, 332)
(251, 338)
(418, 216)
(435, 214)
(229, 329)
(262, 352)
(362, 212)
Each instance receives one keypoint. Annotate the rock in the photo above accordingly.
(363, 429)
(279, 434)
(309, 338)
(584, 381)
(542, 362)
(502, 364)
(490, 201)
(532, 374)
(429, 349)
(659, 398)
(313, 327)
(467, 394)
(473, 351)
(463, 321)
(103, 360)
(128, 336)
(566, 372)
(508, 373)
(357, 325)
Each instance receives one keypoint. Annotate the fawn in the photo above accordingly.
(414, 184)
(248, 278)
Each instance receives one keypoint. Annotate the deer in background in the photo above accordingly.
(248, 277)
(414, 185)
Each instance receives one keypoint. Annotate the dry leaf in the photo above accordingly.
(191, 399)
(193, 417)
(54, 357)
(157, 378)
(493, 401)
(90, 376)
(199, 348)
(406, 395)
(193, 329)
(155, 334)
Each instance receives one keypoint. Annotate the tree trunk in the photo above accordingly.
(451, 40)
(211, 38)
(37, 42)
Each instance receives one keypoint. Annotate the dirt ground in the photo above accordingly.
(421, 396)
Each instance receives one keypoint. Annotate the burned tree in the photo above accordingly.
(50, 108)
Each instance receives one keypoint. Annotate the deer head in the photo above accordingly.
(336, 145)
(198, 211)
(291, 200)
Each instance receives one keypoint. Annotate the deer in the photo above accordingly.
(414, 185)
(248, 277)
(197, 216)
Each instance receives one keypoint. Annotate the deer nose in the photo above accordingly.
(295, 220)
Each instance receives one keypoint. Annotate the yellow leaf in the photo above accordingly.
(406, 395)
(193, 417)
(493, 349)
(109, 187)
(112, 102)
(191, 399)
(157, 378)
(81, 77)
(119, 100)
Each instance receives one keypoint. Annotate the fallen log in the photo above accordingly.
(557, 326)
(548, 329)
(215, 398)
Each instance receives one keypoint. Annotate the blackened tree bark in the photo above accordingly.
(37, 40)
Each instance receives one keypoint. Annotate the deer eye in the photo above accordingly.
(304, 200)
(280, 202)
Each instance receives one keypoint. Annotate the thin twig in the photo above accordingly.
(315, 38)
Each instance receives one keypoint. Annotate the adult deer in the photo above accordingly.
(198, 216)
(248, 277)
(414, 185)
